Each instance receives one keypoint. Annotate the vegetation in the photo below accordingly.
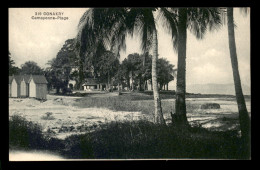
(197, 20)
(111, 25)
(13, 70)
(125, 140)
(107, 67)
(31, 67)
(60, 71)
(48, 116)
(95, 53)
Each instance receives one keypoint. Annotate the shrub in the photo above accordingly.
(210, 106)
(24, 134)
(142, 139)
(131, 140)
(48, 116)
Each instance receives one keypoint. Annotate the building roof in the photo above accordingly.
(92, 81)
(18, 78)
(26, 78)
(38, 79)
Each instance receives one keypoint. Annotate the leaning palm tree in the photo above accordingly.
(243, 113)
(197, 20)
(114, 24)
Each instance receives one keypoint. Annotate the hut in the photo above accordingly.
(37, 86)
(93, 84)
(15, 85)
(24, 92)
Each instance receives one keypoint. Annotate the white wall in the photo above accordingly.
(9, 90)
(23, 88)
(14, 89)
(32, 87)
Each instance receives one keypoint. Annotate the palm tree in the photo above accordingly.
(197, 20)
(114, 24)
(243, 113)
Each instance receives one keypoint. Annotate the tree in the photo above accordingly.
(165, 72)
(134, 67)
(13, 70)
(147, 69)
(107, 67)
(112, 25)
(31, 67)
(243, 113)
(197, 20)
(59, 72)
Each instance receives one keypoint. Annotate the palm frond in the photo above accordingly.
(146, 25)
(170, 22)
(201, 19)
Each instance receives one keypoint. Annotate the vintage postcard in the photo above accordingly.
(129, 83)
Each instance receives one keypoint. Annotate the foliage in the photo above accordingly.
(130, 140)
(107, 67)
(165, 72)
(31, 67)
(138, 68)
(27, 135)
(60, 71)
(13, 70)
(24, 134)
(198, 21)
(48, 116)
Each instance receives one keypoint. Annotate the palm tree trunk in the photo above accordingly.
(158, 115)
(243, 113)
(180, 117)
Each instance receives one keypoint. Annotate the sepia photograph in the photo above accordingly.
(129, 83)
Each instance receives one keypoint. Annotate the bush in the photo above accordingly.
(48, 116)
(24, 134)
(142, 139)
(210, 106)
(131, 140)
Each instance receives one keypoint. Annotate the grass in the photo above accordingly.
(132, 102)
(130, 140)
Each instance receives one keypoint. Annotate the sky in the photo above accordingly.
(208, 60)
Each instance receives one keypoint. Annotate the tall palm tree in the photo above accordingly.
(114, 24)
(243, 113)
(197, 20)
